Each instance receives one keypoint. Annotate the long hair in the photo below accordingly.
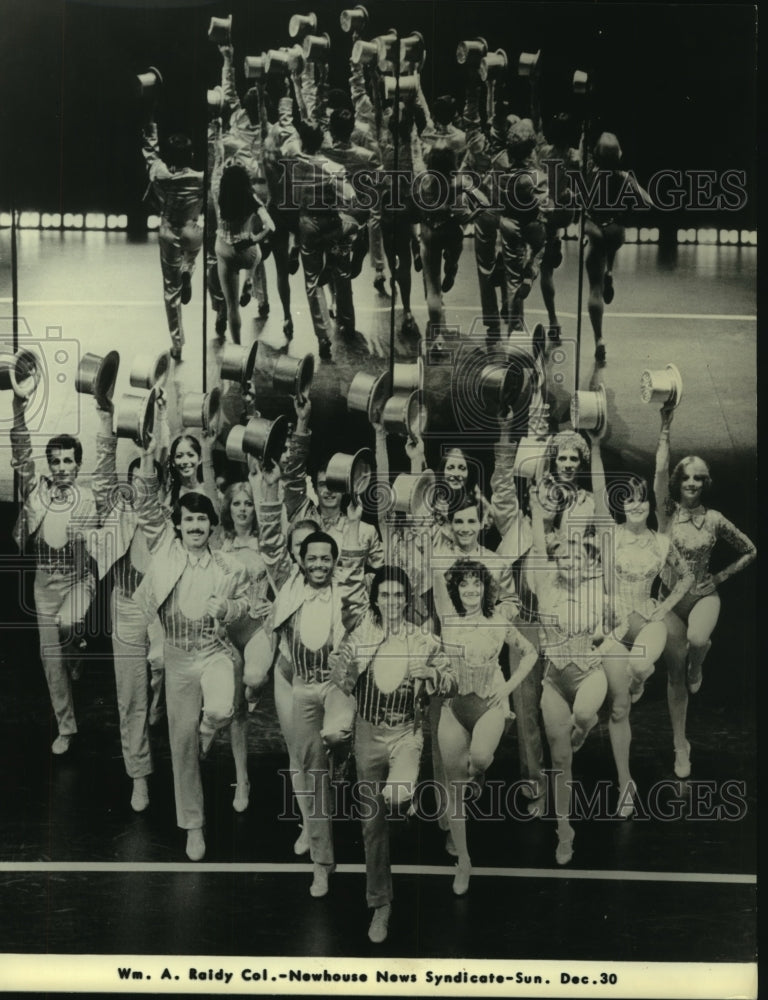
(173, 472)
(388, 574)
(235, 196)
(467, 492)
(460, 570)
(676, 481)
(226, 507)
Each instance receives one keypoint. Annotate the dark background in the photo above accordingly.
(675, 82)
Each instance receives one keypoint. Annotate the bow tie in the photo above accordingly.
(696, 517)
(322, 594)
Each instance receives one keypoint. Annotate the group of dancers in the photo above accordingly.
(548, 587)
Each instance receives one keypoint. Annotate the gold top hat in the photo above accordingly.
(589, 410)
(20, 372)
(364, 52)
(350, 474)
(220, 30)
(408, 376)
(150, 372)
(261, 438)
(148, 80)
(201, 409)
(500, 383)
(471, 52)
(255, 66)
(663, 386)
(354, 19)
(531, 453)
(238, 362)
(368, 394)
(97, 376)
(580, 82)
(317, 46)
(493, 64)
(527, 63)
(411, 491)
(215, 97)
(135, 417)
(302, 24)
(404, 415)
(294, 375)
(413, 48)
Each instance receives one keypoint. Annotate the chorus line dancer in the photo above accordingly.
(306, 624)
(179, 190)
(389, 665)
(197, 592)
(56, 509)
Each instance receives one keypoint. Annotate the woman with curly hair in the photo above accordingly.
(693, 529)
(473, 721)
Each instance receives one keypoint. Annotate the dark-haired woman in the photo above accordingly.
(190, 469)
(693, 529)
(473, 721)
(388, 663)
(636, 556)
(244, 223)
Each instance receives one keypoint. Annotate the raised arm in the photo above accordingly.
(505, 505)
(21, 447)
(661, 472)
(295, 468)
(273, 545)
(105, 472)
(228, 85)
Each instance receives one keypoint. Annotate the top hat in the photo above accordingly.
(354, 19)
(589, 410)
(200, 409)
(664, 386)
(317, 46)
(500, 383)
(493, 64)
(531, 453)
(364, 52)
(411, 491)
(238, 362)
(580, 82)
(215, 97)
(527, 63)
(302, 24)
(148, 80)
(135, 417)
(20, 372)
(97, 376)
(408, 376)
(262, 438)
(350, 474)
(368, 393)
(150, 372)
(386, 45)
(255, 66)
(471, 52)
(220, 30)
(413, 49)
(403, 414)
(294, 375)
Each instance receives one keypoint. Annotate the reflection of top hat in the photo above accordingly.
(97, 376)
(200, 409)
(493, 64)
(215, 98)
(262, 438)
(148, 80)
(364, 52)
(580, 82)
(294, 375)
(411, 490)
(368, 393)
(135, 417)
(349, 474)
(301, 24)
(317, 46)
(255, 66)
(238, 362)
(19, 372)
(354, 19)
(664, 386)
(220, 30)
(150, 372)
(589, 410)
(527, 63)
(471, 52)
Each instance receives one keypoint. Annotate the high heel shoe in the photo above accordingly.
(564, 851)
(626, 803)
(242, 795)
(683, 760)
(461, 879)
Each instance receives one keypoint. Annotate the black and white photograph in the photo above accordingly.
(378, 503)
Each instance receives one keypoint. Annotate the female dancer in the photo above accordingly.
(190, 469)
(637, 556)
(473, 721)
(388, 662)
(244, 223)
(693, 530)
(568, 582)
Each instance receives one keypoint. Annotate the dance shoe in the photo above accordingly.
(301, 845)
(140, 797)
(195, 845)
(242, 793)
(186, 287)
(61, 744)
(377, 932)
(461, 880)
(245, 295)
(608, 289)
(564, 851)
(450, 847)
(319, 887)
(683, 761)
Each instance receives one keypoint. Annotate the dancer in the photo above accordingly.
(56, 511)
(389, 664)
(179, 190)
(473, 721)
(693, 529)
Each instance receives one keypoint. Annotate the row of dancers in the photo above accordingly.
(369, 629)
(303, 172)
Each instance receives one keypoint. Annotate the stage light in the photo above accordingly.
(122, 222)
(630, 236)
(111, 222)
(73, 221)
(642, 234)
(653, 235)
(95, 220)
(5, 219)
(749, 237)
(153, 222)
(29, 220)
(682, 236)
(708, 236)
